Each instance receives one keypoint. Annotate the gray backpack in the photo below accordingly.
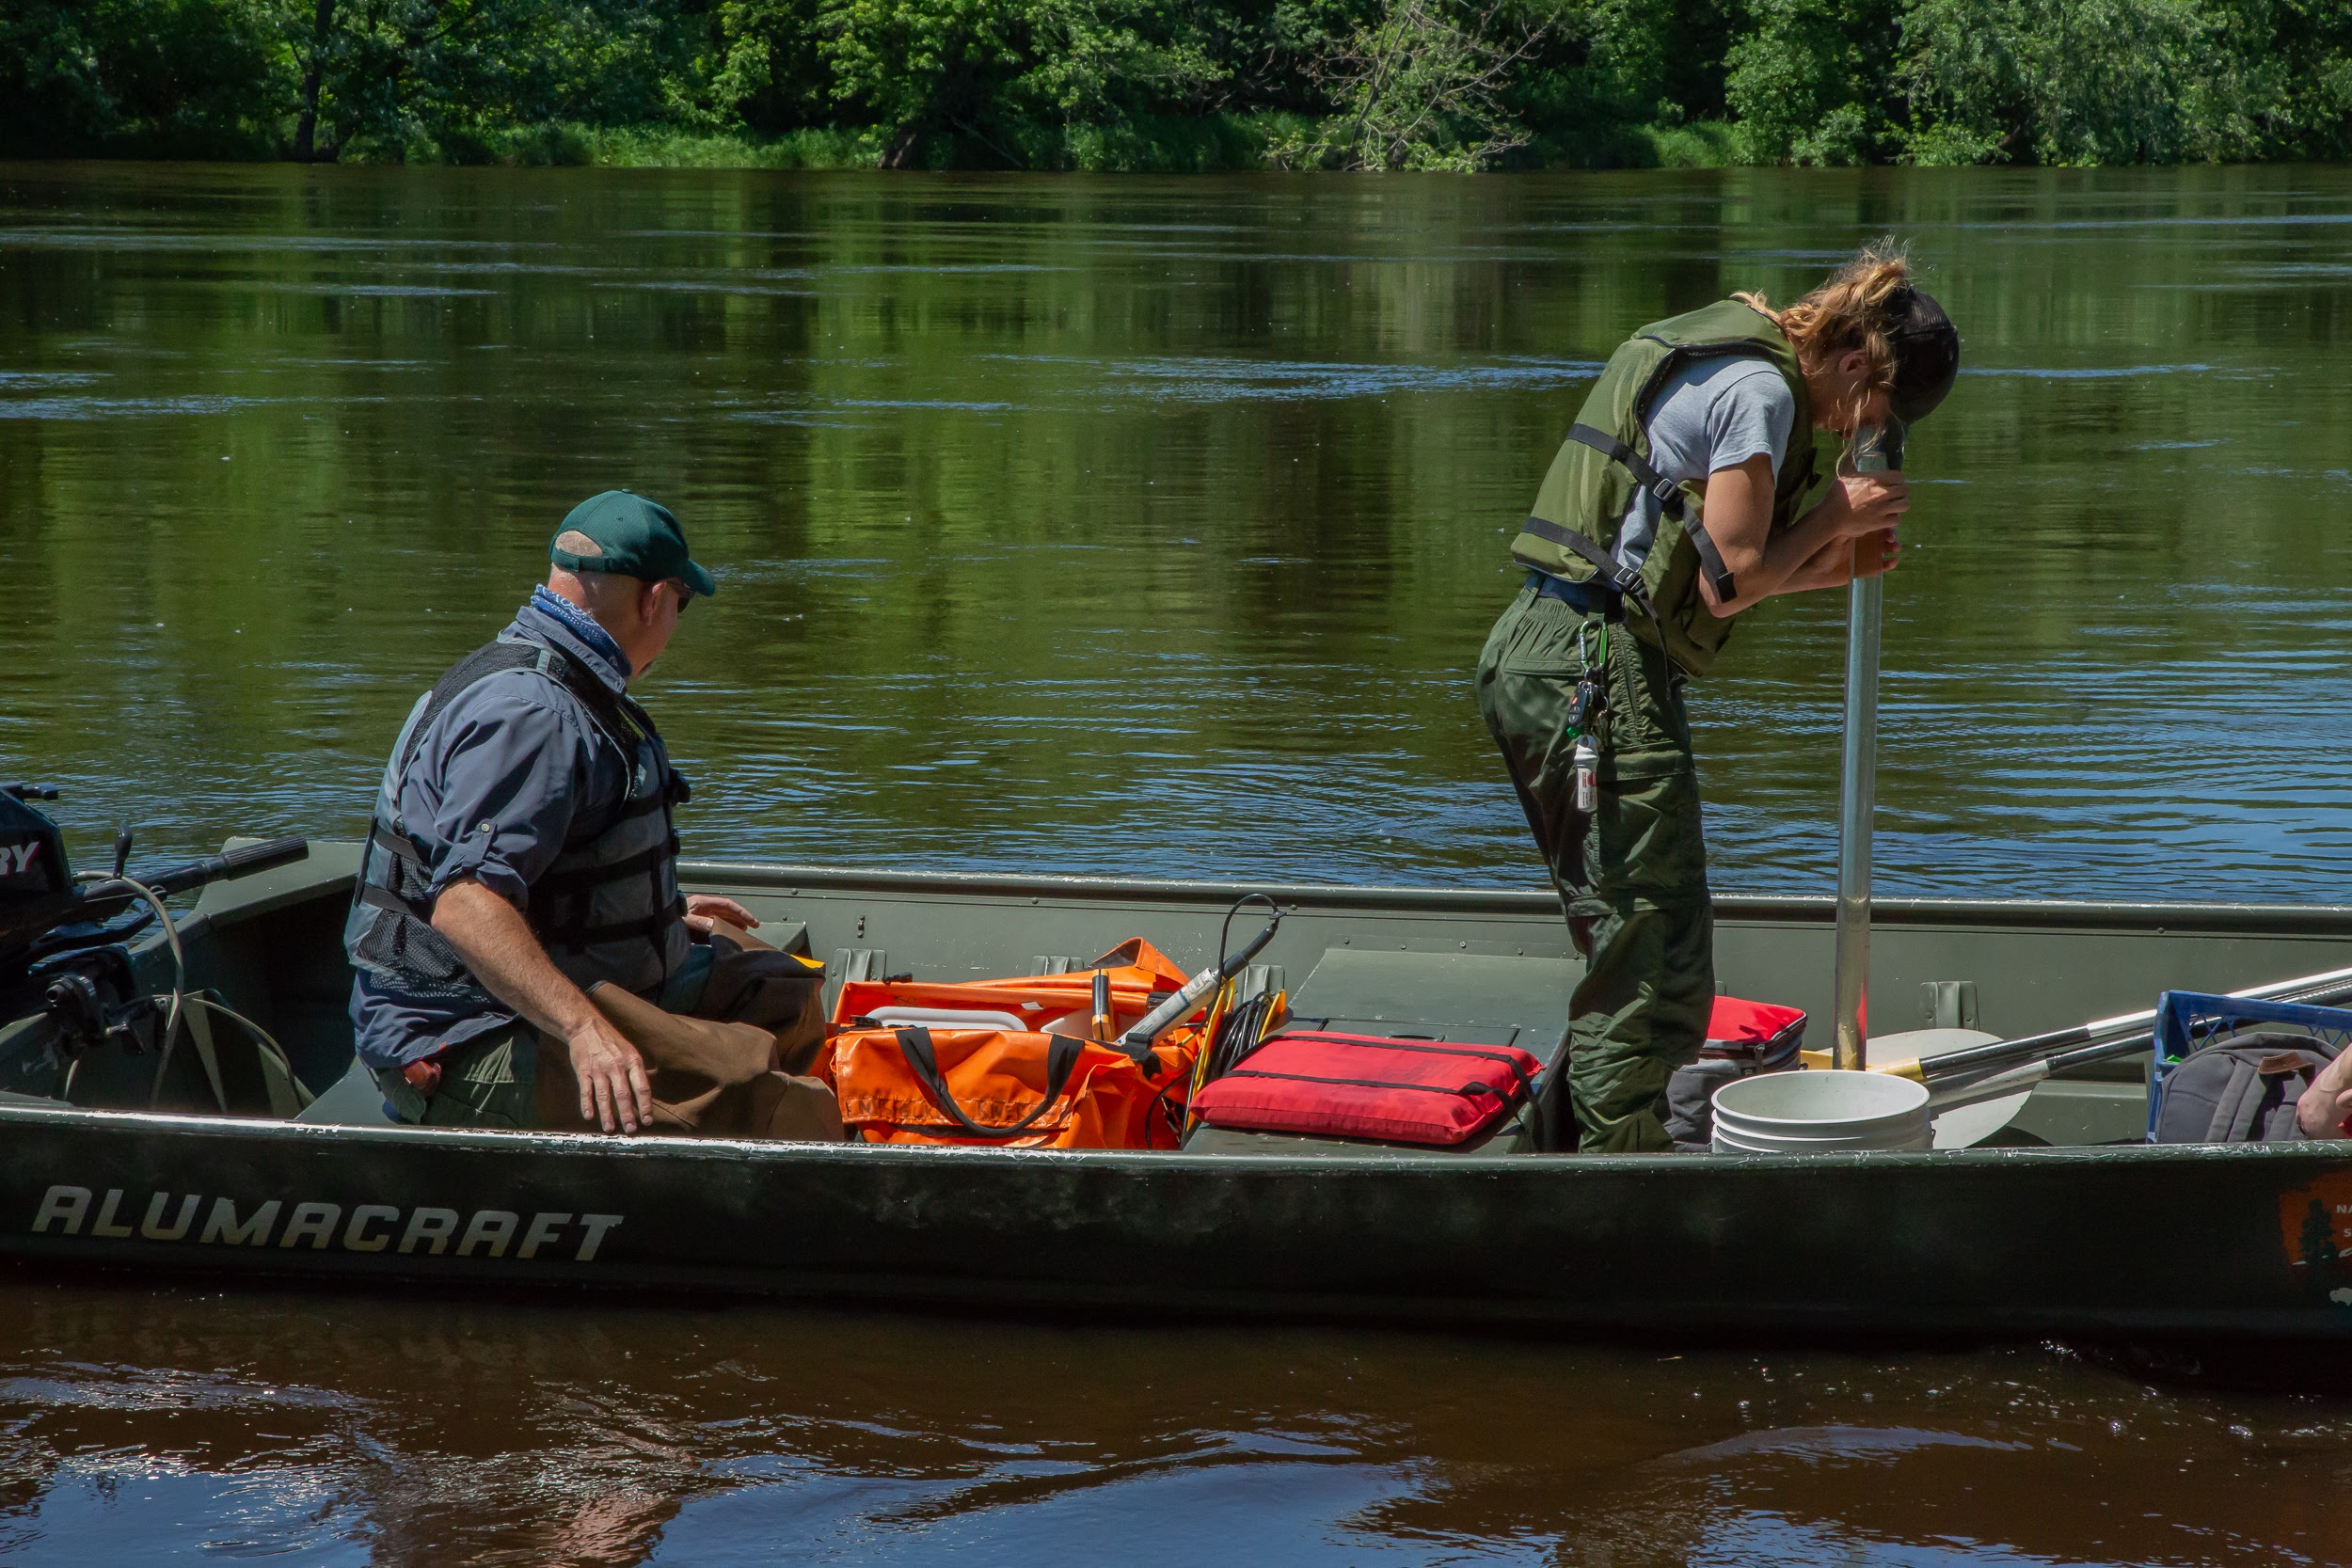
(2239, 1089)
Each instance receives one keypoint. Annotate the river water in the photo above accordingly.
(1143, 527)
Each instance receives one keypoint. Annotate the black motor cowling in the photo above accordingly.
(36, 883)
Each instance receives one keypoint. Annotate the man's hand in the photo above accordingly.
(702, 909)
(612, 1076)
(497, 944)
(2321, 1112)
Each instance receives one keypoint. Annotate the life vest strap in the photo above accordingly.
(376, 896)
(1669, 497)
(1618, 577)
(645, 860)
(579, 938)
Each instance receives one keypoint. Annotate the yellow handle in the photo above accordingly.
(1820, 1061)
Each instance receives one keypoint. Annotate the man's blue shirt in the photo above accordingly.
(495, 786)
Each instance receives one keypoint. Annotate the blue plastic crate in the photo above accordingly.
(2187, 1020)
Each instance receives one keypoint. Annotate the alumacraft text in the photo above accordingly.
(369, 1228)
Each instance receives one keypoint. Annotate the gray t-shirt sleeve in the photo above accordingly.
(1717, 414)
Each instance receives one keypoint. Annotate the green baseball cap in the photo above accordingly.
(623, 532)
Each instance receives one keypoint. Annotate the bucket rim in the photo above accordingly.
(1881, 1083)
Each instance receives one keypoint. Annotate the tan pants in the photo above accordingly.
(731, 1073)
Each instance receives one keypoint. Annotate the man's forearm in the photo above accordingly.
(504, 954)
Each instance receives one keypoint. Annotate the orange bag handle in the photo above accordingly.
(1061, 1060)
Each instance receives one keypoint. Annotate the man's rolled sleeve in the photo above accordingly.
(497, 783)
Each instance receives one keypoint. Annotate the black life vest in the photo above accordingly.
(607, 909)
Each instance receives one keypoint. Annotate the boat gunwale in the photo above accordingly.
(644, 1145)
(2156, 918)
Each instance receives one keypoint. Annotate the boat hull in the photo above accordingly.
(2205, 1241)
(2108, 1239)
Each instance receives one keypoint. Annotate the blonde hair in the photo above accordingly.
(1847, 312)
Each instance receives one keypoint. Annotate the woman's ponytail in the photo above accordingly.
(1848, 312)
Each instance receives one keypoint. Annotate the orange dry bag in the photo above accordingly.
(1011, 1063)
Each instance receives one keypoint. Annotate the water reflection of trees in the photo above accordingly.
(1050, 506)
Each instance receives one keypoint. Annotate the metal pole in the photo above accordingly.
(1857, 798)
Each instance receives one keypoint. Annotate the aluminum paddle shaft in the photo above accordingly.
(1857, 792)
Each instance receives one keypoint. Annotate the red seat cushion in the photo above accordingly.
(1763, 1030)
(1363, 1086)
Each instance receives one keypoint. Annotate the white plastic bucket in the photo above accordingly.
(1821, 1112)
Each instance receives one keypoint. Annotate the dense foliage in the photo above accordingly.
(1182, 84)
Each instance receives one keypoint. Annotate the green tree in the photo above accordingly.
(1811, 83)
(1422, 84)
(2318, 1240)
(2070, 82)
(2310, 42)
(918, 66)
(771, 76)
(1099, 61)
(172, 78)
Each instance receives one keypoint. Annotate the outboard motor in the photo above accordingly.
(64, 957)
(36, 884)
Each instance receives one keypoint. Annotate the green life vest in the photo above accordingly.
(1572, 534)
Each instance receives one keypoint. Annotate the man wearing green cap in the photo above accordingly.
(521, 856)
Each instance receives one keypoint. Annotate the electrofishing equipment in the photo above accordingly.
(1857, 792)
(1927, 360)
(1195, 990)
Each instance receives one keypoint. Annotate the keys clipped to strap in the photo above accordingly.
(1587, 705)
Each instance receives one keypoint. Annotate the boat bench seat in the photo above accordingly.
(1475, 998)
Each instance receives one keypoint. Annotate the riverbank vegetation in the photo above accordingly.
(1179, 85)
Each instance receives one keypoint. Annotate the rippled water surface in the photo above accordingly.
(1153, 526)
(1143, 527)
(142, 1428)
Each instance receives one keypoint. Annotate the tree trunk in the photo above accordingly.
(902, 146)
(306, 128)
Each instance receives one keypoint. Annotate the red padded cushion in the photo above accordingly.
(1363, 1086)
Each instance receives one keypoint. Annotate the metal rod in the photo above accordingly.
(2127, 1032)
(1857, 798)
(1992, 1078)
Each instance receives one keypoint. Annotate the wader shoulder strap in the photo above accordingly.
(1061, 1059)
(1669, 497)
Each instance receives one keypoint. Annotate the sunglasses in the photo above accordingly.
(685, 595)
